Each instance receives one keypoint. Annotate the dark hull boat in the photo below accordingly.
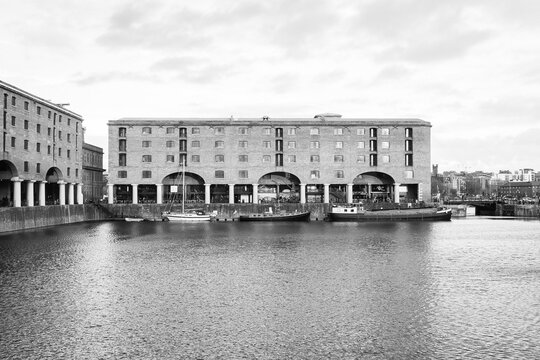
(357, 213)
(296, 216)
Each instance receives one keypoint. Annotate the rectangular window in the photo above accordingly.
(243, 144)
(69, 122)
(122, 174)
(385, 159)
(291, 145)
(183, 145)
(267, 131)
(49, 114)
(25, 124)
(291, 158)
(243, 174)
(372, 132)
(170, 158)
(195, 144)
(25, 145)
(59, 118)
(59, 151)
(122, 145)
(182, 159)
(279, 132)
(291, 131)
(13, 101)
(361, 131)
(26, 166)
(220, 130)
(147, 158)
(339, 174)
(339, 144)
(219, 144)
(409, 174)
(243, 131)
(13, 141)
(170, 144)
(146, 130)
(338, 158)
(408, 132)
(195, 131)
(279, 159)
(38, 147)
(385, 132)
(146, 144)
(267, 158)
(408, 160)
(38, 168)
(195, 158)
(13, 121)
(49, 131)
(267, 144)
(219, 158)
(146, 174)
(48, 149)
(338, 131)
(170, 130)
(26, 105)
(69, 154)
(122, 132)
(372, 159)
(76, 173)
(314, 158)
(242, 158)
(314, 144)
(219, 174)
(68, 171)
(38, 110)
(77, 131)
(314, 131)
(279, 145)
(372, 145)
(360, 145)
(68, 138)
(361, 159)
(59, 135)
(408, 145)
(38, 128)
(314, 174)
(385, 145)
(182, 132)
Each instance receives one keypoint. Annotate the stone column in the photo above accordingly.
(80, 196)
(302, 193)
(396, 192)
(326, 193)
(30, 193)
(368, 191)
(231, 193)
(420, 192)
(70, 194)
(207, 194)
(135, 194)
(42, 195)
(159, 193)
(350, 193)
(16, 191)
(110, 193)
(255, 193)
(62, 192)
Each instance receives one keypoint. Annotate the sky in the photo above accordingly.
(470, 68)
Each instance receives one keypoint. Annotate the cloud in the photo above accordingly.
(103, 77)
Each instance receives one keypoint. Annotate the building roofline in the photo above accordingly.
(38, 99)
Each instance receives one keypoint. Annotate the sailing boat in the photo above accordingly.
(277, 216)
(186, 216)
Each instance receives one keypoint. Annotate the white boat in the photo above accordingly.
(186, 216)
(129, 219)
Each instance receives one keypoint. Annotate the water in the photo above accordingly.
(453, 290)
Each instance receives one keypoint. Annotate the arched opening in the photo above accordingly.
(53, 176)
(280, 187)
(193, 186)
(373, 187)
(7, 172)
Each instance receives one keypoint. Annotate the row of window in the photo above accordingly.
(243, 174)
(26, 146)
(373, 159)
(38, 129)
(243, 144)
(50, 115)
(220, 130)
(26, 168)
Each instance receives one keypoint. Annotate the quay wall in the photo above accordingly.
(23, 218)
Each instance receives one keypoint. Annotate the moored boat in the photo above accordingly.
(191, 215)
(279, 216)
(357, 212)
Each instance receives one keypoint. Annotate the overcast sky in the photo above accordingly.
(471, 68)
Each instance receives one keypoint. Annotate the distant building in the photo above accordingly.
(92, 169)
(526, 175)
(323, 159)
(520, 189)
(41, 151)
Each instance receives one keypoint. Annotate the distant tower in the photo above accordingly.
(435, 171)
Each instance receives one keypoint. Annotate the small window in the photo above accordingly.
(372, 145)
(59, 135)
(243, 144)
(146, 144)
(147, 158)
(291, 131)
(372, 159)
(219, 144)
(122, 174)
(385, 145)
(219, 158)
(372, 132)
(122, 145)
(25, 144)
(243, 131)
(122, 132)
(360, 145)
(171, 130)
(182, 132)
(25, 124)
(26, 166)
(314, 158)
(361, 131)
(408, 160)
(220, 130)
(49, 114)
(314, 131)
(339, 174)
(385, 131)
(314, 144)
(409, 174)
(291, 145)
(13, 121)
(38, 128)
(361, 159)
(195, 158)
(385, 159)
(146, 174)
(68, 138)
(195, 144)
(267, 131)
(266, 158)
(314, 174)
(13, 141)
(38, 110)
(38, 168)
(170, 144)
(76, 173)
(242, 158)
(243, 174)
(26, 105)
(195, 131)
(69, 121)
(267, 144)
(69, 154)
(13, 101)
(68, 171)
(170, 158)
(408, 132)
(49, 131)
(338, 131)
(48, 149)
(38, 147)
(408, 145)
(59, 151)
(147, 130)
(338, 158)
(219, 174)
(339, 144)
(291, 158)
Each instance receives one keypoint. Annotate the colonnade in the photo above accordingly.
(72, 190)
(255, 193)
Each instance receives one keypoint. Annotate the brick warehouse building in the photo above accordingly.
(326, 159)
(41, 144)
(92, 173)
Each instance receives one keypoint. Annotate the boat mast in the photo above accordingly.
(183, 183)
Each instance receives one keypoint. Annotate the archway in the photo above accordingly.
(193, 188)
(279, 187)
(373, 186)
(52, 189)
(7, 172)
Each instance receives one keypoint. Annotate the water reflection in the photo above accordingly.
(319, 290)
